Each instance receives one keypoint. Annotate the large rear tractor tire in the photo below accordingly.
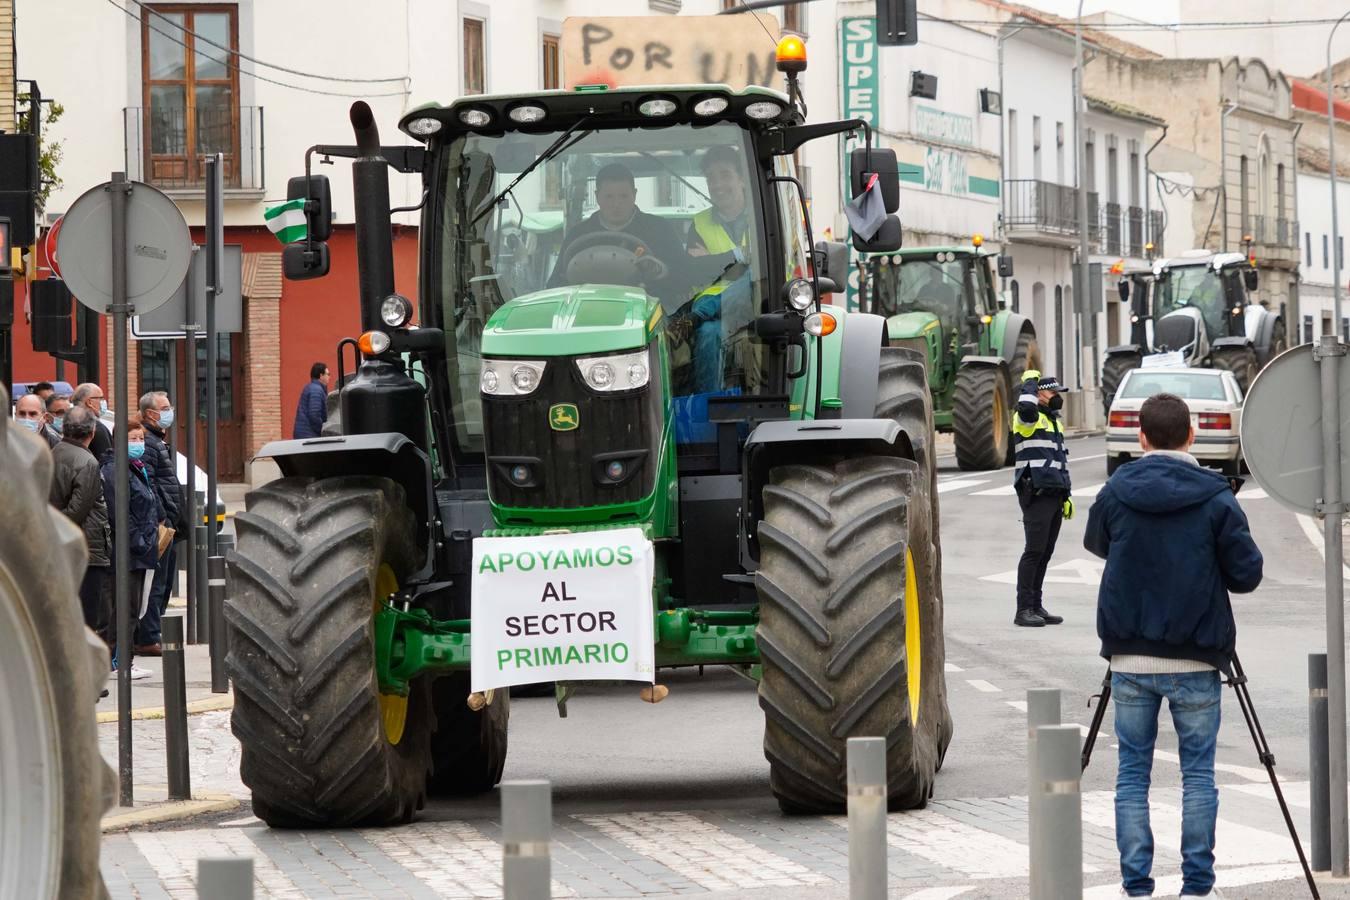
(850, 630)
(468, 748)
(1115, 368)
(321, 745)
(980, 417)
(54, 784)
(1241, 361)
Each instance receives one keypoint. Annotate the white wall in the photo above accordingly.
(1037, 81)
(1315, 281)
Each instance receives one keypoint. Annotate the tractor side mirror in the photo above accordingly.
(1005, 266)
(1124, 289)
(831, 259)
(888, 238)
(1250, 277)
(827, 285)
(314, 190)
(300, 261)
(863, 163)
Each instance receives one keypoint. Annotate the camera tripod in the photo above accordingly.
(1238, 682)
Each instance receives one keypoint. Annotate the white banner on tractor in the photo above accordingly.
(737, 51)
(563, 607)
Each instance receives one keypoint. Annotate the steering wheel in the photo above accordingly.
(609, 249)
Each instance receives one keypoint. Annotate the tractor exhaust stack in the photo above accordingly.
(374, 239)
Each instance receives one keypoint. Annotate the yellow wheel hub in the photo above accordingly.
(393, 707)
(913, 639)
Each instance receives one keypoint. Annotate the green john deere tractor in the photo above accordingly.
(771, 457)
(941, 302)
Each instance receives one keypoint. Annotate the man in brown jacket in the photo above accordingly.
(77, 490)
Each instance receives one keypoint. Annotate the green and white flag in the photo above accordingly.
(287, 221)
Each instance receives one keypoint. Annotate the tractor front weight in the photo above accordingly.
(412, 643)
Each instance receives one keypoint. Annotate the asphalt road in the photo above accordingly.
(674, 798)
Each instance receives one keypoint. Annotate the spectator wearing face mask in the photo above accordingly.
(90, 396)
(144, 515)
(157, 414)
(28, 412)
(57, 407)
(77, 490)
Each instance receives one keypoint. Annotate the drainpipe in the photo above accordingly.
(1002, 158)
(1148, 170)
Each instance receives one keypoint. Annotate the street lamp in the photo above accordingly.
(1331, 155)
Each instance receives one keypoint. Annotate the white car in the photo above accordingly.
(1215, 401)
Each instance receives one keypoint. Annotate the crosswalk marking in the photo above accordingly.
(949, 842)
(1085, 492)
(980, 684)
(174, 855)
(454, 858)
(1253, 846)
(958, 484)
(714, 859)
(1252, 494)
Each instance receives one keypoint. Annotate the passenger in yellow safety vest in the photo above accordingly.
(722, 231)
(1041, 478)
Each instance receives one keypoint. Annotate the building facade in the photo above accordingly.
(159, 85)
(1319, 249)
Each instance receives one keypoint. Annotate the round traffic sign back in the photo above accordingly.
(1282, 428)
(159, 248)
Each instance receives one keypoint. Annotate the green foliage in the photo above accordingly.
(50, 152)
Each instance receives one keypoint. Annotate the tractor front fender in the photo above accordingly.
(1265, 333)
(1005, 342)
(860, 358)
(387, 455)
(1230, 341)
(778, 443)
(995, 362)
(1123, 349)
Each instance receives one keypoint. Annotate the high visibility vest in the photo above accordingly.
(1039, 452)
(716, 239)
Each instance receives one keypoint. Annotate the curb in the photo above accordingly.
(168, 811)
(210, 704)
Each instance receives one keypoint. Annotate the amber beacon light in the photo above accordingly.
(791, 54)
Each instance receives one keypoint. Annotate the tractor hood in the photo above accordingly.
(572, 321)
(911, 325)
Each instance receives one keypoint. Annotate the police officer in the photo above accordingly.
(1041, 477)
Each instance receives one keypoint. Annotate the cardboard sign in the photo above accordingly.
(563, 607)
(737, 51)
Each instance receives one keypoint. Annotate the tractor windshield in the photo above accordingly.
(1197, 286)
(671, 210)
(937, 286)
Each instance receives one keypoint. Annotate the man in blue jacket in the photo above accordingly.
(1175, 543)
(312, 411)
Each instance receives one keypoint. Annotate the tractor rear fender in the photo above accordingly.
(1265, 332)
(388, 455)
(779, 443)
(1230, 341)
(860, 358)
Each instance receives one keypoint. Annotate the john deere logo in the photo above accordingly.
(563, 417)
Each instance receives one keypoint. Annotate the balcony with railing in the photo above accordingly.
(1042, 208)
(166, 147)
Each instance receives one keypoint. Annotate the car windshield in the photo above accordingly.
(1198, 286)
(1143, 384)
(923, 285)
(669, 210)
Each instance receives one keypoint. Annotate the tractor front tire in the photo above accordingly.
(1241, 361)
(322, 747)
(1115, 368)
(468, 748)
(980, 417)
(850, 629)
(54, 784)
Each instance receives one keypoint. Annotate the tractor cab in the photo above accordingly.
(1209, 289)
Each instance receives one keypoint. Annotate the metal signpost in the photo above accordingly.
(126, 248)
(214, 249)
(1298, 394)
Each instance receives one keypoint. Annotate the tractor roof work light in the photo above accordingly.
(790, 56)
(977, 239)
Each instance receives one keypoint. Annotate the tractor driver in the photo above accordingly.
(616, 199)
(720, 235)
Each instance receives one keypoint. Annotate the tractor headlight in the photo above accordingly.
(511, 377)
(424, 127)
(621, 372)
(396, 310)
(800, 295)
(763, 109)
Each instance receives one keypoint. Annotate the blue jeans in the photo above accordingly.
(1193, 698)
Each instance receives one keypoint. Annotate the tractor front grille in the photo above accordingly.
(568, 468)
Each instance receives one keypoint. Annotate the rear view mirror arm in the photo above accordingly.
(788, 139)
